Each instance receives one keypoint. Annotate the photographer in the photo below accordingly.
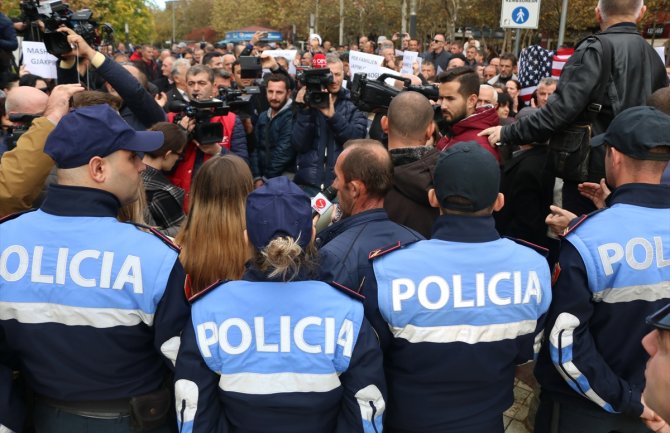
(139, 108)
(24, 169)
(320, 133)
(200, 87)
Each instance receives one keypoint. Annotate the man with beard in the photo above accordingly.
(274, 154)
(459, 92)
(363, 177)
(507, 65)
(320, 133)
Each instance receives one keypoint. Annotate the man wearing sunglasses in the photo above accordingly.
(437, 54)
(614, 270)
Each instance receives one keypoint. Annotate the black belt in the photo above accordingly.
(99, 409)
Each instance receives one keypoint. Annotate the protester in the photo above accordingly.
(409, 126)
(459, 92)
(212, 240)
(165, 201)
(637, 71)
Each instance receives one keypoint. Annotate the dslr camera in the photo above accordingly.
(316, 81)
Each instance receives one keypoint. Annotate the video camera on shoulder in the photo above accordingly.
(376, 95)
(316, 81)
(205, 131)
(54, 14)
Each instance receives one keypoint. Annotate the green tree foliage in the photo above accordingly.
(136, 13)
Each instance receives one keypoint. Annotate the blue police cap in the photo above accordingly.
(469, 171)
(278, 208)
(96, 130)
(637, 130)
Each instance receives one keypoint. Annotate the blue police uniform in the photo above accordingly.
(91, 306)
(264, 356)
(461, 311)
(614, 272)
(344, 250)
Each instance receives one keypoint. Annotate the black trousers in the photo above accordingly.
(568, 416)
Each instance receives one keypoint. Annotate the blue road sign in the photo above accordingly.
(520, 15)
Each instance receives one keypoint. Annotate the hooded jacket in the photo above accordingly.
(407, 202)
(468, 128)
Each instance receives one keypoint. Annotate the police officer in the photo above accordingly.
(277, 351)
(91, 307)
(363, 177)
(614, 271)
(460, 310)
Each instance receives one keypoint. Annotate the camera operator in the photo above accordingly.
(139, 108)
(200, 87)
(24, 169)
(319, 133)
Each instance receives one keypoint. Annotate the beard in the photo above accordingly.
(456, 119)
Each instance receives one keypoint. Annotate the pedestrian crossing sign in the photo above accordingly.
(520, 14)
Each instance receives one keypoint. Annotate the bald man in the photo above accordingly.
(409, 126)
(24, 169)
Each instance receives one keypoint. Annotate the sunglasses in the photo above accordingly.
(437, 40)
(660, 319)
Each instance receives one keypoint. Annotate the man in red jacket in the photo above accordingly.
(459, 91)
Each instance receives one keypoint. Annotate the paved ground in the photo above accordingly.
(516, 416)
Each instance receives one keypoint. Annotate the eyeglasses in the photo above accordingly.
(437, 40)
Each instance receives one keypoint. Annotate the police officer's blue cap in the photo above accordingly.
(636, 131)
(660, 319)
(468, 171)
(278, 208)
(96, 130)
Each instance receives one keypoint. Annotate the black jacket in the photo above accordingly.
(528, 188)
(407, 202)
(637, 72)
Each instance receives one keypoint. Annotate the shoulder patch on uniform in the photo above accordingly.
(578, 221)
(188, 290)
(537, 248)
(15, 215)
(346, 290)
(378, 252)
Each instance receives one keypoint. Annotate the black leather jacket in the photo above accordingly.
(637, 71)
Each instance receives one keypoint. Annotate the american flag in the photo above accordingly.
(560, 59)
(534, 64)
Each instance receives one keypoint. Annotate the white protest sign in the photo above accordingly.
(38, 61)
(408, 59)
(364, 63)
(288, 55)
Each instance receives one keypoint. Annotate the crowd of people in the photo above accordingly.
(286, 261)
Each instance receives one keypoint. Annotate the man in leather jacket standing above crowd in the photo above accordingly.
(636, 73)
